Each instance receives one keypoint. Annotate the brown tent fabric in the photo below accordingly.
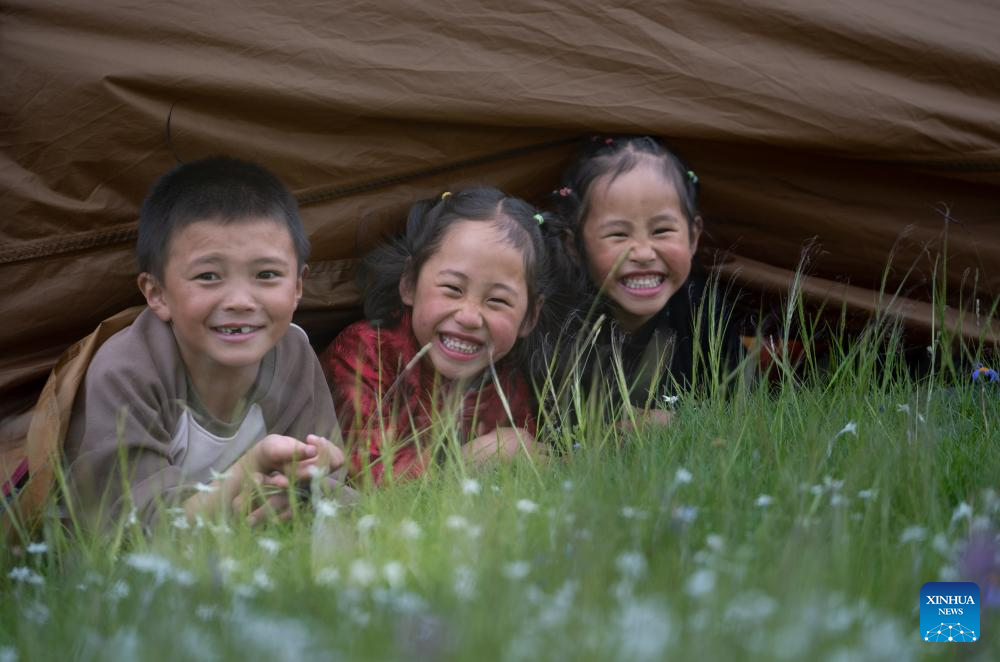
(867, 129)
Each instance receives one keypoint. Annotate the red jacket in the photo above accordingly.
(367, 366)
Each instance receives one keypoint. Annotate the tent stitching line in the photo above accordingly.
(47, 248)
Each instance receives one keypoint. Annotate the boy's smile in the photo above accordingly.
(469, 300)
(228, 291)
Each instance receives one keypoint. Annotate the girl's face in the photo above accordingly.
(470, 300)
(637, 242)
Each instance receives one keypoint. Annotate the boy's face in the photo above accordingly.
(229, 291)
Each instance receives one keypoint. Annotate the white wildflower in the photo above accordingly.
(394, 573)
(628, 512)
(326, 508)
(26, 575)
(527, 506)
(35, 612)
(471, 486)
(205, 612)
(682, 477)
(685, 514)
(456, 523)
(228, 565)
(567, 485)
(913, 534)
(645, 630)
(715, 542)
(465, 582)
(328, 577)
(362, 572)
(8, 654)
(118, 590)
(220, 529)
(948, 573)
(495, 487)
(181, 523)
(205, 487)
(516, 570)
(904, 408)
(37, 548)
(816, 490)
(837, 500)
(262, 580)
(315, 471)
(963, 511)
(152, 564)
(631, 564)
(764, 500)
(366, 523)
(218, 476)
(133, 518)
(409, 530)
(671, 399)
(750, 607)
(700, 583)
(941, 544)
(867, 494)
(850, 428)
(832, 484)
(269, 545)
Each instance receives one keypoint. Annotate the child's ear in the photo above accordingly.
(531, 319)
(406, 285)
(298, 284)
(153, 291)
(695, 233)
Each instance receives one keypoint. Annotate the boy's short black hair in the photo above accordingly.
(217, 188)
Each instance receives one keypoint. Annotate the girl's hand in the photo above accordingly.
(501, 443)
(645, 417)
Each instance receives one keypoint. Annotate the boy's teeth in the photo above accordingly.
(642, 282)
(457, 345)
(230, 330)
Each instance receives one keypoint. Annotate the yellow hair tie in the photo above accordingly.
(446, 195)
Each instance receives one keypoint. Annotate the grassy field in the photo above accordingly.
(793, 520)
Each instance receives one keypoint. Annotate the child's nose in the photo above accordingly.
(642, 252)
(239, 298)
(469, 316)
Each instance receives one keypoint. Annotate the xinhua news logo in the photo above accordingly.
(949, 612)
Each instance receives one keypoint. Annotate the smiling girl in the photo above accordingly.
(451, 309)
(627, 208)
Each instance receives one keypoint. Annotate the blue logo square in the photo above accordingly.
(949, 612)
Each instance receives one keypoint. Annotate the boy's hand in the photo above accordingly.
(277, 452)
(328, 457)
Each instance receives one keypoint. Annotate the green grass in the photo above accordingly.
(795, 519)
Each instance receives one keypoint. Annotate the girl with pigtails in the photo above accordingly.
(451, 313)
(648, 320)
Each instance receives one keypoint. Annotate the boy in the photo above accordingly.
(209, 378)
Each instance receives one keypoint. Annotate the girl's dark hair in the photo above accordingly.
(427, 224)
(614, 156)
(215, 188)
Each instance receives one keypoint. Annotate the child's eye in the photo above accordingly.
(663, 230)
(616, 235)
(208, 276)
(451, 289)
(268, 275)
(498, 302)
